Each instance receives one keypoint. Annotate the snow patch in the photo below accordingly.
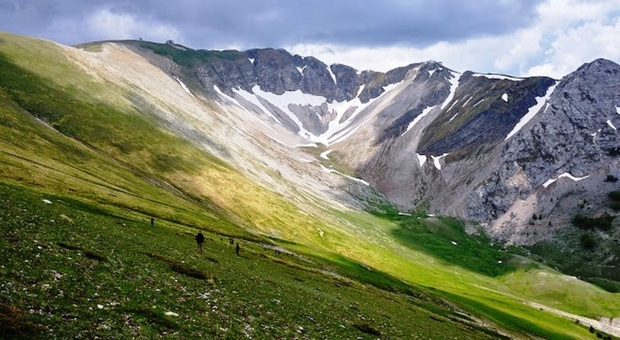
(478, 103)
(618, 110)
(301, 70)
(254, 100)
(421, 159)
(424, 113)
(437, 159)
(333, 171)
(540, 102)
(225, 96)
(594, 137)
(611, 125)
(567, 175)
(325, 153)
(454, 243)
(430, 73)
(304, 160)
(404, 214)
(171, 314)
(505, 97)
(329, 69)
(454, 83)
(46, 201)
(337, 131)
(183, 86)
(307, 145)
(251, 60)
(451, 106)
(497, 76)
(455, 115)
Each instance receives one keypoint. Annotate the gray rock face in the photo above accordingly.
(576, 134)
(277, 71)
(348, 82)
(492, 122)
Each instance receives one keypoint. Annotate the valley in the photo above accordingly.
(371, 241)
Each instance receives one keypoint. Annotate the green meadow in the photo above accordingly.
(82, 171)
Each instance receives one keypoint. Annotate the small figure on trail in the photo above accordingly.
(237, 248)
(200, 239)
(152, 222)
(231, 241)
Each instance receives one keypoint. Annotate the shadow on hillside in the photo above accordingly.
(446, 240)
(359, 272)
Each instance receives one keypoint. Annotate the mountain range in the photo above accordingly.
(489, 148)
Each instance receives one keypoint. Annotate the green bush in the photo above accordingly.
(603, 222)
(615, 205)
(614, 195)
(588, 240)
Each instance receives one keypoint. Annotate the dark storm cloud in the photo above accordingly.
(278, 23)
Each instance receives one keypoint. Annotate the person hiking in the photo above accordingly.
(152, 222)
(237, 248)
(200, 239)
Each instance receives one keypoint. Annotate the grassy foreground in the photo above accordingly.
(74, 270)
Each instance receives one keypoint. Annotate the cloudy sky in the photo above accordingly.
(516, 37)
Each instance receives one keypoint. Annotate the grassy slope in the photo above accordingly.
(77, 272)
(110, 178)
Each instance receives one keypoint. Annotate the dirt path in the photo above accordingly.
(604, 327)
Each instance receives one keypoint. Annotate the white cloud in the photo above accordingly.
(578, 45)
(105, 24)
(564, 35)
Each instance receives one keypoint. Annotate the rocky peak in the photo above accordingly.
(574, 134)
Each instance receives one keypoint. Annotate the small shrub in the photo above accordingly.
(607, 284)
(368, 329)
(181, 268)
(603, 222)
(588, 241)
(69, 246)
(611, 178)
(95, 256)
(188, 271)
(17, 324)
(614, 196)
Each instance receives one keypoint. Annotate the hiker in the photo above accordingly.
(237, 248)
(200, 238)
(152, 222)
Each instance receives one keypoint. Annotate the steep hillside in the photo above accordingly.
(114, 133)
